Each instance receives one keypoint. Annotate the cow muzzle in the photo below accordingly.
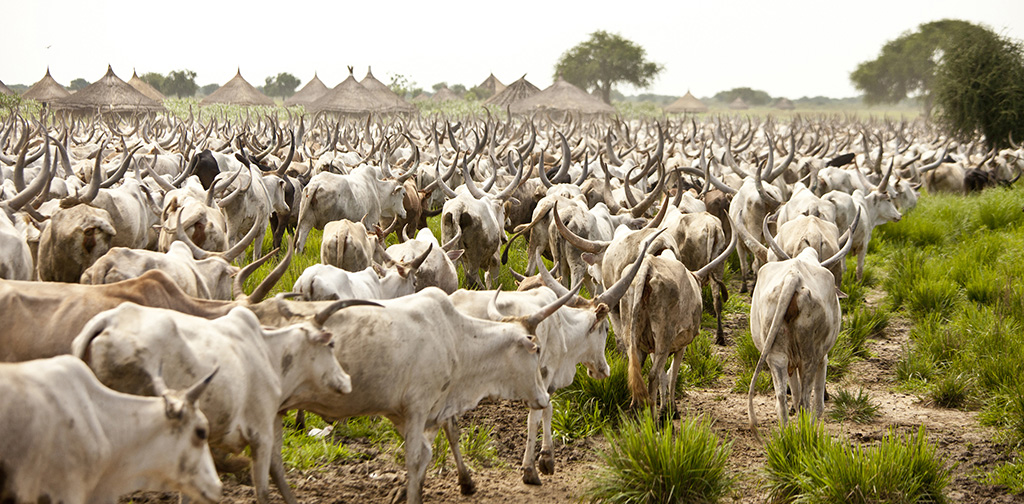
(541, 401)
(599, 371)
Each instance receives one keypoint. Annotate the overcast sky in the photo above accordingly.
(789, 48)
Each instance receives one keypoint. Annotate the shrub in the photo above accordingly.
(647, 462)
(857, 408)
(950, 391)
(700, 366)
(747, 354)
(804, 464)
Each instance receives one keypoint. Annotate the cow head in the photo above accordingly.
(881, 208)
(185, 436)
(309, 371)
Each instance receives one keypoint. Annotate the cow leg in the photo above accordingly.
(741, 253)
(417, 458)
(777, 364)
(533, 420)
(716, 292)
(860, 263)
(547, 457)
(277, 463)
(818, 387)
(796, 388)
(257, 243)
(261, 454)
(673, 378)
(656, 386)
(451, 432)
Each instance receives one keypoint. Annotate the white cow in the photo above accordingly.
(65, 437)
(794, 322)
(874, 209)
(262, 372)
(437, 270)
(321, 282)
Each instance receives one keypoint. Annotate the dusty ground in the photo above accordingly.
(958, 435)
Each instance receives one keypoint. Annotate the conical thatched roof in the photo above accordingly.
(784, 104)
(444, 94)
(562, 96)
(313, 89)
(492, 84)
(238, 91)
(739, 104)
(109, 94)
(514, 92)
(144, 87)
(686, 103)
(348, 97)
(392, 102)
(46, 90)
(4, 89)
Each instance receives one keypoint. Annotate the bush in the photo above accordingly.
(647, 463)
(849, 407)
(804, 464)
(700, 366)
(747, 354)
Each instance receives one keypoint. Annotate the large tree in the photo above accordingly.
(78, 83)
(154, 79)
(604, 60)
(979, 87)
(750, 96)
(282, 85)
(180, 83)
(906, 66)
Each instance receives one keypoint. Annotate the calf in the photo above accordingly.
(262, 372)
(65, 437)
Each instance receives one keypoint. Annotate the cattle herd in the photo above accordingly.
(133, 359)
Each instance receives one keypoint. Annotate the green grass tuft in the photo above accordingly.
(647, 462)
(855, 408)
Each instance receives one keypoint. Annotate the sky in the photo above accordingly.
(790, 48)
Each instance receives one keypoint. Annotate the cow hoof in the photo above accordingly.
(467, 487)
(530, 476)
(743, 289)
(397, 495)
(720, 339)
(546, 462)
(826, 395)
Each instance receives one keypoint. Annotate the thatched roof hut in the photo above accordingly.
(784, 104)
(238, 91)
(46, 90)
(739, 104)
(348, 97)
(109, 94)
(4, 89)
(514, 92)
(313, 89)
(144, 87)
(562, 96)
(686, 104)
(444, 94)
(391, 101)
(492, 84)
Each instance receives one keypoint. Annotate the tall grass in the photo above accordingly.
(648, 462)
(804, 464)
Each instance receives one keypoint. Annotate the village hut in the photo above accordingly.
(4, 89)
(46, 90)
(391, 101)
(564, 97)
(492, 84)
(739, 104)
(784, 104)
(313, 89)
(144, 87)
(512, 93)
(347, 98)
(238, 91)
(686, 104)
(110, 94)
(444, 94)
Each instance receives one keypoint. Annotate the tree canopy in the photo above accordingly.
(979, 87)
(282, 85)
(78, 83)
(154, 79)
(180, 83)
(604, 60)
(749, 96)
(906, 66)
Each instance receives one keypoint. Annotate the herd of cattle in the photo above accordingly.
(117, 238)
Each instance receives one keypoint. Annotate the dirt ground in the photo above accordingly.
(961, 440)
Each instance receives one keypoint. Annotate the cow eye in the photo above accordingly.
(330, 345)
(201, 433)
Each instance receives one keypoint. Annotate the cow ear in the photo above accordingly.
(322, 337)
(589, 258)
(380, 271)
(530, 344)
(601, 310)
(840, 294)
(455, 254)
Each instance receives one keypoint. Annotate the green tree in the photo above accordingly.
(437, 87)
(906, 65)
(458, 89)
(979, 87)
(282, 85)
(400, 84)
(754, 97)
(180, 83)
(78, 83)
(208, 89)
(479, 93)
(604, 60)
(154, 79)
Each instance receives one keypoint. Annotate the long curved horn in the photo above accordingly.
(884, 183)
(196, 391)
(772, 244)
(768, 200)
(774, 173)
(275, 275)
(594, 247)
(238, 285)
(827, 263)
(165, 185)
(1012, 143)
(439, 180)
(613, 158)
(26, 195)
(180, 235)
(321, 316)
(506, 193)
(288, 160)
(128, 157)
(214, 188)
(703, 273)
(586, 169)
(417, 262)
(531, 322)
(658, 219)
(470, 184)
(455, 239)
(614, 293)
(563, 171)
(94, 183)
(238, 192)
(641, 208)
(932, 166)
(233, 252)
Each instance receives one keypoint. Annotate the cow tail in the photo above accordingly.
(637, 387)
(83, 342)
(789, 287)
